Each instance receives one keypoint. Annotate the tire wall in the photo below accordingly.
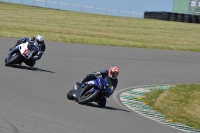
(171, 16)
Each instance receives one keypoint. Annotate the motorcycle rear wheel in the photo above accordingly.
(13, 59)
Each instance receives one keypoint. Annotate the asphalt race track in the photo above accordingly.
(33, 100)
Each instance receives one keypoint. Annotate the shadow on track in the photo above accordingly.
(107, 107)
(30, 68)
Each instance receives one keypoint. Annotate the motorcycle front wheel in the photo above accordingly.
(69, 95)
(88, 97)
(13, 59)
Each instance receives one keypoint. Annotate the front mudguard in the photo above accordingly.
(75, 92)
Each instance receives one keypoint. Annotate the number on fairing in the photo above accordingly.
(27, 53)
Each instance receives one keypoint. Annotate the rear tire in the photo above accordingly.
(12, 60)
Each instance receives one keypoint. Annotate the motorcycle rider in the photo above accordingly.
(38, 41)
(112, 74)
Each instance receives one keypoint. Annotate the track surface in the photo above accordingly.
(33, 100)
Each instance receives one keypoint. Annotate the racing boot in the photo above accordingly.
(101, 101)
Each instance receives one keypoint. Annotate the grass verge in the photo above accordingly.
(180, 103)
(64, 26)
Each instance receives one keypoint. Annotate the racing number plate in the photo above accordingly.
(27, 53)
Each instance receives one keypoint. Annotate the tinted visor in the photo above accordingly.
(40, 42)
(32, 47)
(114, 75)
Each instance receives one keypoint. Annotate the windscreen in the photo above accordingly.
(101, 83)
(32, 47)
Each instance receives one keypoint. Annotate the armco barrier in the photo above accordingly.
(171, 16)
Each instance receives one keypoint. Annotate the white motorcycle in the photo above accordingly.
(21, 53)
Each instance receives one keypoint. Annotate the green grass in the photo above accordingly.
(56, 25)
(180, 103)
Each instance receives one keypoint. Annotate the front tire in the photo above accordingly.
(13, 59)
(69, 95)
(88, 97)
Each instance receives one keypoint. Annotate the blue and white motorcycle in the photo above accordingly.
(20, 53)
(92, 91)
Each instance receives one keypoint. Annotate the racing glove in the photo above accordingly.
(32, 39)
(23, 40)
(38, 56)
(96, 74)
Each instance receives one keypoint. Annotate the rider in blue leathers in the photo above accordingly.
(39, 43)
(112, 74)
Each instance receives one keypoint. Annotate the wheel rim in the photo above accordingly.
(13, 55)
(86, 95)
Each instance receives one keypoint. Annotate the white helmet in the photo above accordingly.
(39, 39)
